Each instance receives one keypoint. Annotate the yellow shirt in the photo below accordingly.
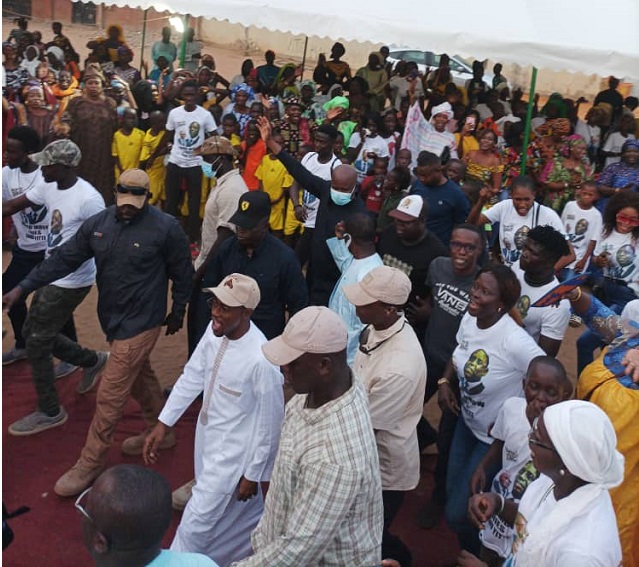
(154, 169)
(128, 148)
(274, 177)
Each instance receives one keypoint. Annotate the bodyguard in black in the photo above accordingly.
(256, 253)
(338, 202)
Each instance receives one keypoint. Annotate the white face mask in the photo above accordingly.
(340, 198)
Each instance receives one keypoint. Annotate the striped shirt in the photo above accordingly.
(324, 504)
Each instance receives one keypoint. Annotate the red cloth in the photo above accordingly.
(371, 192)
(253, 159)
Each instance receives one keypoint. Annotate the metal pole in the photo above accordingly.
(183, 44)
(143, 37)
(531, 96)
(304, 57)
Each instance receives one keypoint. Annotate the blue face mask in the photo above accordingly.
(207, 169)
(340, 198)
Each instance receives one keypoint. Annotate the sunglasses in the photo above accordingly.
(632, 221)
(80, 508)
(137, 191)
(533, 441)
(468, 248)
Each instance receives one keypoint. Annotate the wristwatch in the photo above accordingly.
(443, 381)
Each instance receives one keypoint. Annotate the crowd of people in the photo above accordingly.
(342, 249)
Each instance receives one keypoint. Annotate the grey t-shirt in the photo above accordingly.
(451, 295)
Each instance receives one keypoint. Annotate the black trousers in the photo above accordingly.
(392, 546)
(193, 176)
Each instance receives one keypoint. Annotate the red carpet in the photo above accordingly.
(50, 533)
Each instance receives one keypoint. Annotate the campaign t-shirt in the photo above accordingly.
(363, 163)
(516, 473)
(551, 321)
(622, 256)
(190, 131)
(582, 226)
(32, 223)
(513, 228)
(451, 295)
(309, 201)
(491, 365)
(69, 209)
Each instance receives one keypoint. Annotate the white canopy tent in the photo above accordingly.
(573, 35)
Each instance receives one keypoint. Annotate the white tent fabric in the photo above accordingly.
(575, 35)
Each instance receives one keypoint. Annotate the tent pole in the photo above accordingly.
(187, 19)
(146, 12)
(304, 57)
(531, 104)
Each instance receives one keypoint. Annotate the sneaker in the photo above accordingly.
(92, 373)
(76, 480)
(134, 445)
(37, 422)
(575, 321)
(63, 369)
(182, 495)
(13, 355)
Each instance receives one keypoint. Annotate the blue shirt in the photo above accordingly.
(168, 558)
(447, 207)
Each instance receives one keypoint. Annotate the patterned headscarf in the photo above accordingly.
(242, 87)
(630, 144)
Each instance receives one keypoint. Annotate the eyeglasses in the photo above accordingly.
(137, 191)
(80, 508)
(533, 441)
(468, 248)
(632, 221)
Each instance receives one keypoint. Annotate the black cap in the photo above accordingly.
(252, 207)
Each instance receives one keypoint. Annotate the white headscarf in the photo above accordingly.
(585, 440)
(443, 108)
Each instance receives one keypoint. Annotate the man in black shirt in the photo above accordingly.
(338, 202)
(612, 97)
(254, 252)
(137, 249)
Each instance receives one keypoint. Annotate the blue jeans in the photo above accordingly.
(465, 453)
(616, 296)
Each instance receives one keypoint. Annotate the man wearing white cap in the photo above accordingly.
(324, 504)
(137, 249)
(238, 429)
(391, 365)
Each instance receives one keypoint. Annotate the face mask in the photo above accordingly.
(340, 198)
(207, 169)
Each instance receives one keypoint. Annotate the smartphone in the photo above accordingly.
(366, 132)
(471, 121)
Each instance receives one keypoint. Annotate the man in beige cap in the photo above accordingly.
(137, 249)
(324, 504)
(391, 364)
(69, 200)
(238, 429)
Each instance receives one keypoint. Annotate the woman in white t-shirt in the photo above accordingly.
(489, 365)
(617, 256)
(367, 144)
(516, 216)
(494, 512)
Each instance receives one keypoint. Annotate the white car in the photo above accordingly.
(459, 69)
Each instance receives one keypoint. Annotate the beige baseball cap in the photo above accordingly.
(408, 209)
(315, 329)
(237, 290)
(385, 284)
(132, 188)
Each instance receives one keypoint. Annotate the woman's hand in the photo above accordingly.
(631, 362)
(446, 398)
(481, 507)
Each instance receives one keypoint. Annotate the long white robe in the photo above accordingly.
(241, 438)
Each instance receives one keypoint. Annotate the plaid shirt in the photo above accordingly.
(324, 504)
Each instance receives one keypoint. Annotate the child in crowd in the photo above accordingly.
(456, 171)
(372, 186)
(275, 180)
(396, 187)
(367, 144)
(154, 148)
(230, 130)
(253, 150)
(127, 143)
(615, 140)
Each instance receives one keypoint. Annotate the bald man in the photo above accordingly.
(338, 203)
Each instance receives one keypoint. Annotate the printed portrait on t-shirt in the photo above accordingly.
(523, 305)
(521, 533)
(33, 215)
(521, 236)
(626, 259)
(581, 228)
(526, 475)
(475, 369)
(55, 232)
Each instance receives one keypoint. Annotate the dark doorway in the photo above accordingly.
(83, 13)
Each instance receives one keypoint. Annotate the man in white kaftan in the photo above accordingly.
(238, 428)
